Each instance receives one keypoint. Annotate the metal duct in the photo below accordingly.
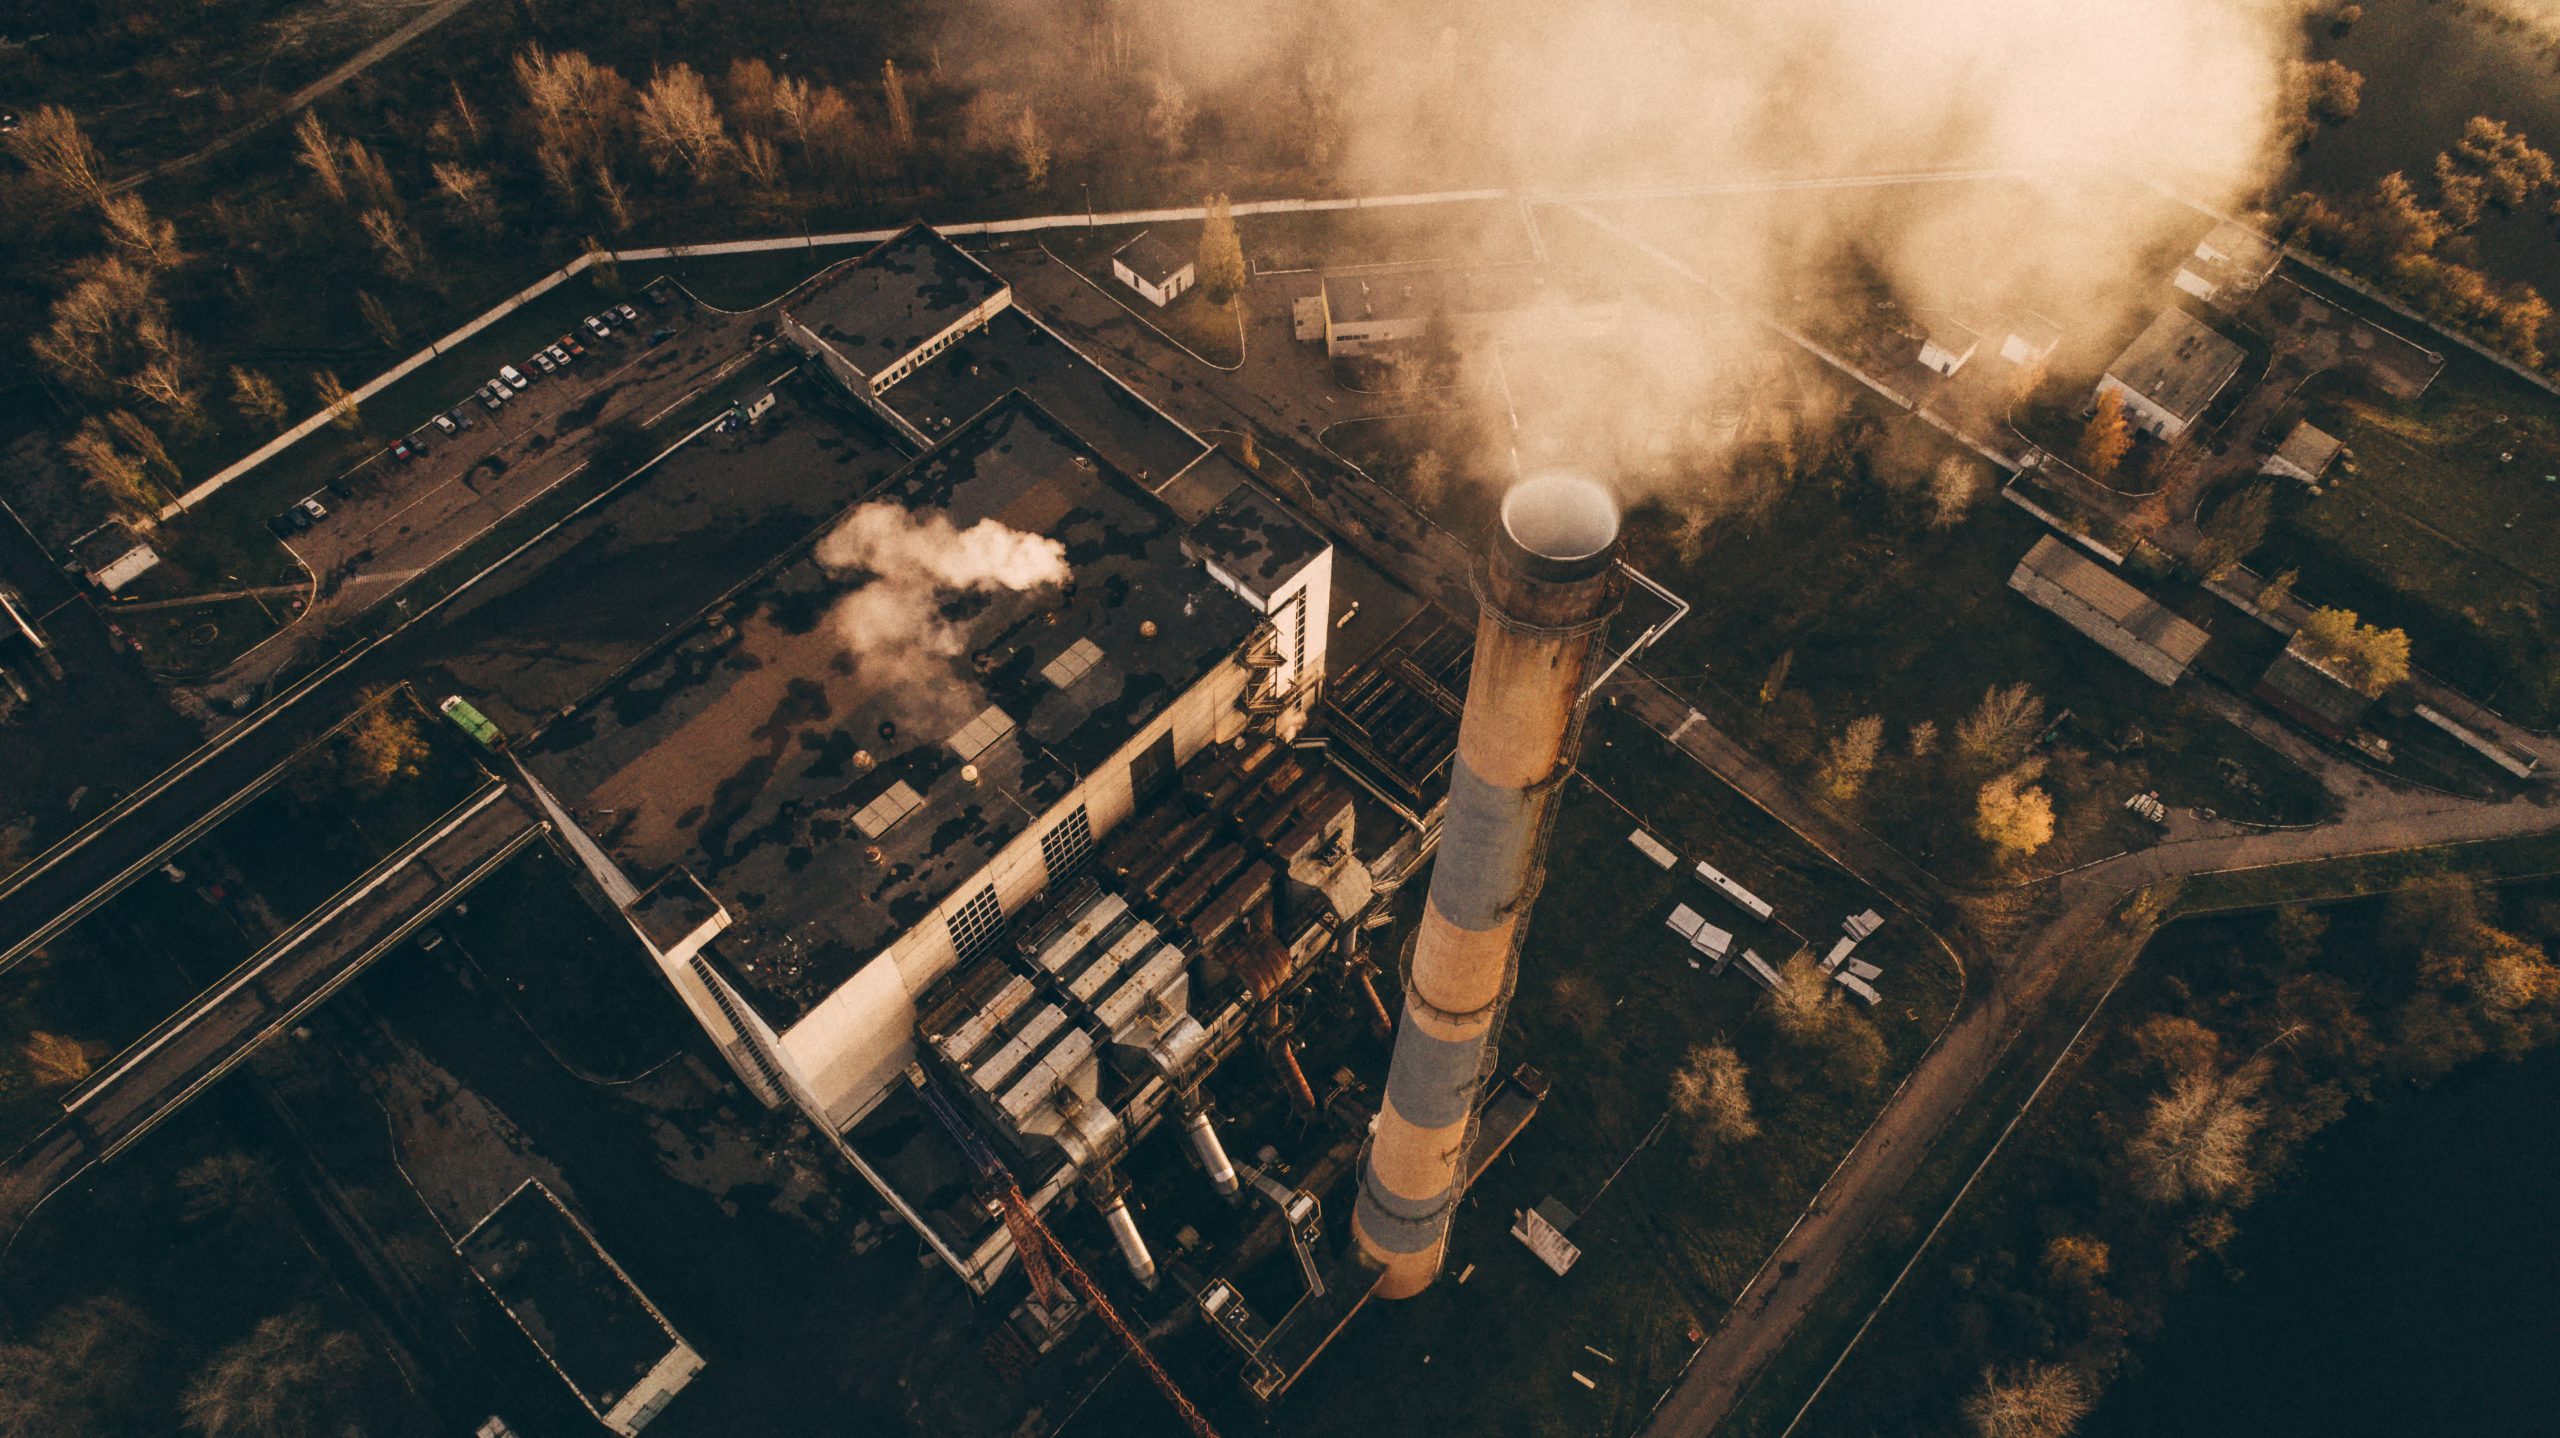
(1212, 1154)
(1133, 1244)
(1544, 596)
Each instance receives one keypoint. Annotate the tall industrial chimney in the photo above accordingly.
(1544, 595)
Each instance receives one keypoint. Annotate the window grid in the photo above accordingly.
(975, 924)
(1067, 846)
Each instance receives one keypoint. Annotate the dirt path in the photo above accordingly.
(363, 60)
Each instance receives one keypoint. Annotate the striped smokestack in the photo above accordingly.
(1544, 595)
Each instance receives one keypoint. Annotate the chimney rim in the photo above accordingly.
(1562, 521)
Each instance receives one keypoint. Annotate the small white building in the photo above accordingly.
(1947, 346)
(2305, 455)
(2031, 340)
(2170, 373)
(1156, 270)
(2230, 262)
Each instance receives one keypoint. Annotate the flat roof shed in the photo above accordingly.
(2125, 621)
(2177, 365)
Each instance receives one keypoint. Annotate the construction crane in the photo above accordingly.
(1040, 1248)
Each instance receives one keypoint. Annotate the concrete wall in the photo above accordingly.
(844, 1054)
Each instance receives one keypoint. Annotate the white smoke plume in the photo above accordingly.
(910, 565)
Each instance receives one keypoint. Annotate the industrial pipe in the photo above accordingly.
(1212, 1154)
(1544, 595)
(1133, 1244)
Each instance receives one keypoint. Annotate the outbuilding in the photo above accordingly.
(2305, 455)
(2171, 373)
(1947, 346)
(1156, 270)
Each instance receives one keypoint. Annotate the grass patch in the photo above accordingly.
(1608, 1006)
(2362, 874)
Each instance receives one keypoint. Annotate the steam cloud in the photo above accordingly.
(913, 564)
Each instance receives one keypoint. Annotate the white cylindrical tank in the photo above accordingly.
(1213, 1154)
(1133, 1244)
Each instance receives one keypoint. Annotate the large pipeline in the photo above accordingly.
(1544, 596)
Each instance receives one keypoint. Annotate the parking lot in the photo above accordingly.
(399, 513)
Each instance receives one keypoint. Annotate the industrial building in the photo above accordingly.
(2171, 373)
(2312, 694)
(2228, 264)
(2124, 620)
(1156, 270)
(592, 1324)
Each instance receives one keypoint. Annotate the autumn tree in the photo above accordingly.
(2075, 1261)
(289, 1378)
(2273, 594)
(2001, 727)
(1851, 757)
(107, 325)
(1800, 1006)
(317, 150)
(2034, 1400)
(2370, 658)
(579, 109)
(2195, 1139)
(332, 393)
(118, 473)
(386, 745)
(56, 1060)
(394, 243)
(1923, 739)
(51, 143)
(146, 239)
(257, 398)
(2012, 814)
(679, 124)
(1711, 1095)
(1774, 683)
(2237, 526)
(2107, 437)
(1222, 271)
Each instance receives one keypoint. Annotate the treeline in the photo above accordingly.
(2413, 239)
(2232, 1049)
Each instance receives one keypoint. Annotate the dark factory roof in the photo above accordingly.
(765, 754)
(1013, 351)
(1251, 537)
(1151, 259)
(572, 1300)
(2178, 363)
(902, 292)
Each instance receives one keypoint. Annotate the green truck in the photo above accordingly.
(474, 723)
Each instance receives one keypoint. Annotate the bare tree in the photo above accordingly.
(317, 149)
(379, 319)
(1851, 757)
(150, 241)
(578, 106)
(2001, 727)
(97, 325)
(902, 117)
(50, 142)
(679, 123)
(1711, 1094)
(1953, 489)
(256, 397)
(138, 437)
(1030, 146)
(615, 199)
(288, 1379)
(394, 242)
(56, 1060)
(224, 1188)
(760, 160)
(332, 393)
(468, 127)
(1426, 483)
(1923, 741)
(1801, 1004)
(755, 95)
(118, 475)
(368, 179)
(2035, 1400)
(1170, 114)
(81, 1371)
(467, 191)
(2195, 1140)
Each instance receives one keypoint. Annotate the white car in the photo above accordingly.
(315, 509)
(513, 376)
(543, 362)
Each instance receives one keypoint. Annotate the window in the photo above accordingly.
(1073, 665)
(1152, 771)
(976, 924)
(991, 724)
(1066, 847)
(882, 814)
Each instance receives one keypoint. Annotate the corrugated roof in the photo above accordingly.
(2178, 363)
(2128, 623)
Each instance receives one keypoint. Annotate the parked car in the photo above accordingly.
(570, 343)
(629, 315)
(400, 449)
(558, 355)
(463, 418)
(659, 337)
(445, 422)
(283, 526)
(542, 362)
(598, 328)
(341, 489)
(489, 399)
(314, 508)
(296, 519)
(513, 376)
